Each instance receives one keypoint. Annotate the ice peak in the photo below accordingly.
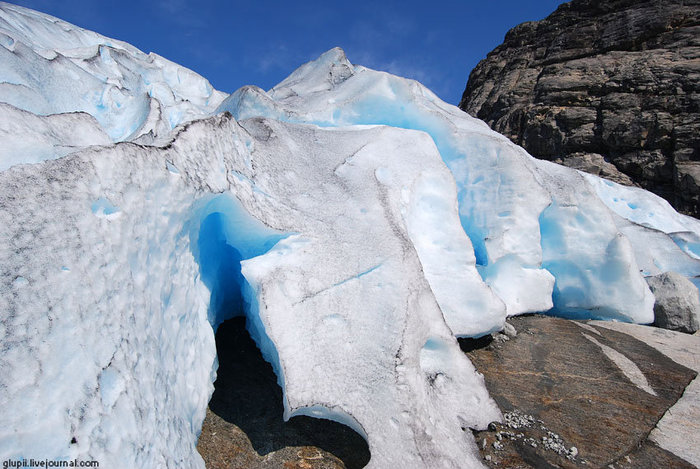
(44, 33)
(335, 55)
(329, 70)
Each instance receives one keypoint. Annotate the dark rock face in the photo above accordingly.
(569, 401)
(618, 78)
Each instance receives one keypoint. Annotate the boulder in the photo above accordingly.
(677, 306)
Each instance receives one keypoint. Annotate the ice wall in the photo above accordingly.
(122, 282)
(108, 354)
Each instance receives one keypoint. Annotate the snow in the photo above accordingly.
(358, 222)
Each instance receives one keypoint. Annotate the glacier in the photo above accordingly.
(359, 223)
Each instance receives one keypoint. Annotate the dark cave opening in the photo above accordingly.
(247, 395)
(468, 344)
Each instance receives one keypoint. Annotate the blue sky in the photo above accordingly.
(235, 43)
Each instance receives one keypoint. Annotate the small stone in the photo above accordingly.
(500, 338)
(509, 330)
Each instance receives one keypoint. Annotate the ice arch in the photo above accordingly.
(222, 236)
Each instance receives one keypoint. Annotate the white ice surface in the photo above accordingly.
(28, 138)
(97, 345)
(544, 236)
(663, 240)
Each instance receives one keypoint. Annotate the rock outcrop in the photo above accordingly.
(618, 79)
(580, 395)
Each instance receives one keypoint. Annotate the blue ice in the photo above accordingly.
(103, 207)
(222, 234)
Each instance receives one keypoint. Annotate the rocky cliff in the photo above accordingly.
(609, 87)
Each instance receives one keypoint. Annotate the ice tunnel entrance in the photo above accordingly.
(247, 391)
(225, 234)
(220, 265)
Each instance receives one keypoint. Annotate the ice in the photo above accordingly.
(471, 308)
(111, 385)
(663, 239)
(521, 288)
(544, 238)
(98, 345)
(359, 224)
(28, 138)
(128, 92)
(103, 208)
(302, 308)
(641, 207)
(227, 236)
(479, 159)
